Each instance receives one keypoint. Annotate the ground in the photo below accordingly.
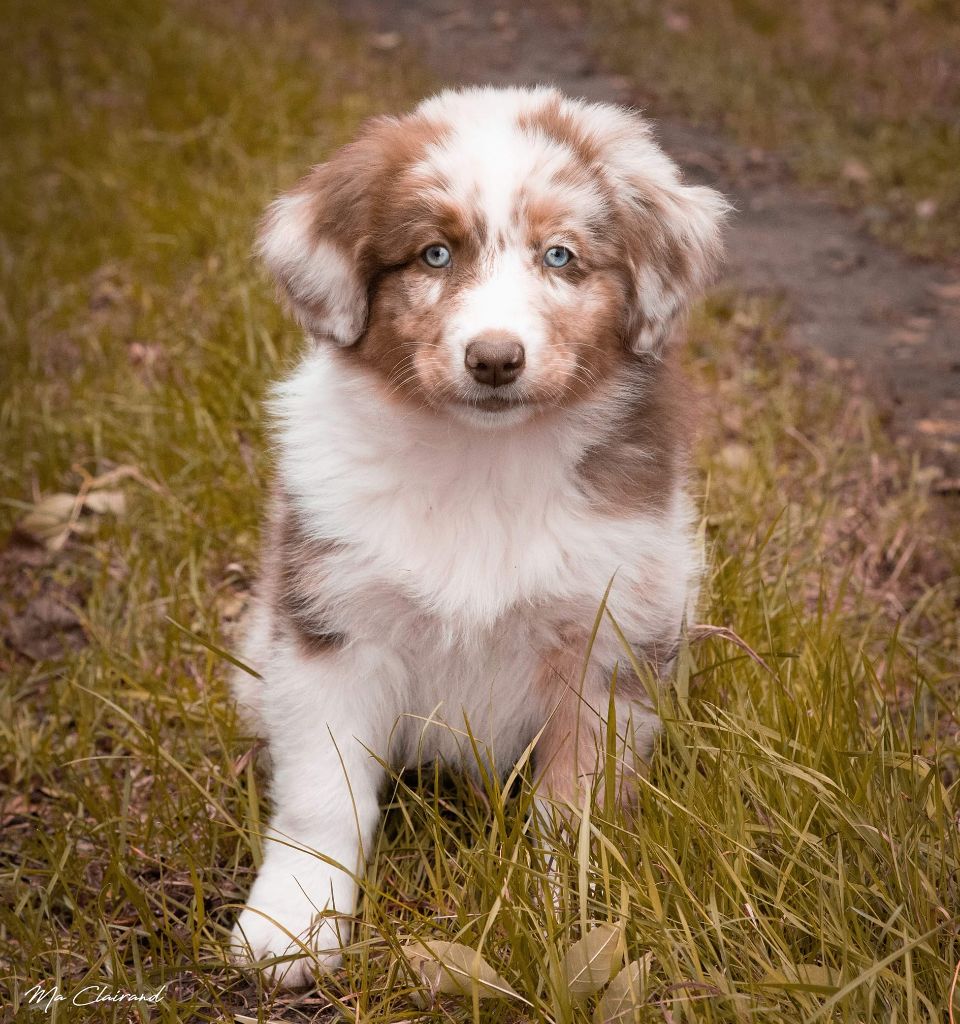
(796, 855)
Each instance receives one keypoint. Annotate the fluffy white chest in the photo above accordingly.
(463, 532)
(467, 523)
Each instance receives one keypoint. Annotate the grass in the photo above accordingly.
(796, 853)
(862, 97)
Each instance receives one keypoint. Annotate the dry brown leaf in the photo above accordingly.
(905, 337)
(17, 804)
(948, 290)
(386, 40)
(736, 456)
(105, 501)
(856, 171)
(926, 208)
(451, 968)
(48, 522)
(625, 994)
(676, 21)
(936, 426)
(814, 977)
(53, 518)
(592, 961)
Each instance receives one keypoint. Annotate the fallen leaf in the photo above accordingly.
(926, 208)
(145, 354)
(905, 337)
(450, 968)
(45, 629)
(625, 994)
(806, 977)
(856, 171)
(934, 426)
(947, 290)
(53, 518)
(15, 806)
(113, 502)
(48, 522)
(676, 21)
(592, 961)
(736, 456)
(386, 40)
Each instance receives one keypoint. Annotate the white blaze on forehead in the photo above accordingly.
(504, 299)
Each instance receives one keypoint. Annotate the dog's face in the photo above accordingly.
(496, 252)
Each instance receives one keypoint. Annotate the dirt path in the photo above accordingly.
(888, 320)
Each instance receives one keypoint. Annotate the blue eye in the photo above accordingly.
(557, 256)
(437, 256)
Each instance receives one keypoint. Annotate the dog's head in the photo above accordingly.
(496, 252)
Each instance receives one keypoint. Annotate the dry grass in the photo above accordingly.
(796, 856)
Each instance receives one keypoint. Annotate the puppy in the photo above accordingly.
(486, 432)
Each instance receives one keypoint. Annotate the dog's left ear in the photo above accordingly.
(315, 239)
(672, 236)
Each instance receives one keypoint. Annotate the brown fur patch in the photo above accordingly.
(403, 343)
(346, 198)
(641, 229)
(296, 563)
(586, 339)
(555, 120)
(572, 745)
(652, 233)
(567, 753)
(637, 466)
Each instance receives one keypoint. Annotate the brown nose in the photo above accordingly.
(495, 361)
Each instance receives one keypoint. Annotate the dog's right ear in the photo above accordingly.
(315, 239)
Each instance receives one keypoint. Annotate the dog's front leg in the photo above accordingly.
(573, 748)
(325, 718)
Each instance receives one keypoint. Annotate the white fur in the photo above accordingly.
(313, 268)
(504, 299)
(461, 558)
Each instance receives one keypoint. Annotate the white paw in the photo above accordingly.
(281, 921)
(314, 949)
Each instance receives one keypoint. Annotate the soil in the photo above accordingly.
(890, 323)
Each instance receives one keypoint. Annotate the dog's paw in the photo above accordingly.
(286, 924)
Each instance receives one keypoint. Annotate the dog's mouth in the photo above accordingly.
(495, 400)
(496, 404)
